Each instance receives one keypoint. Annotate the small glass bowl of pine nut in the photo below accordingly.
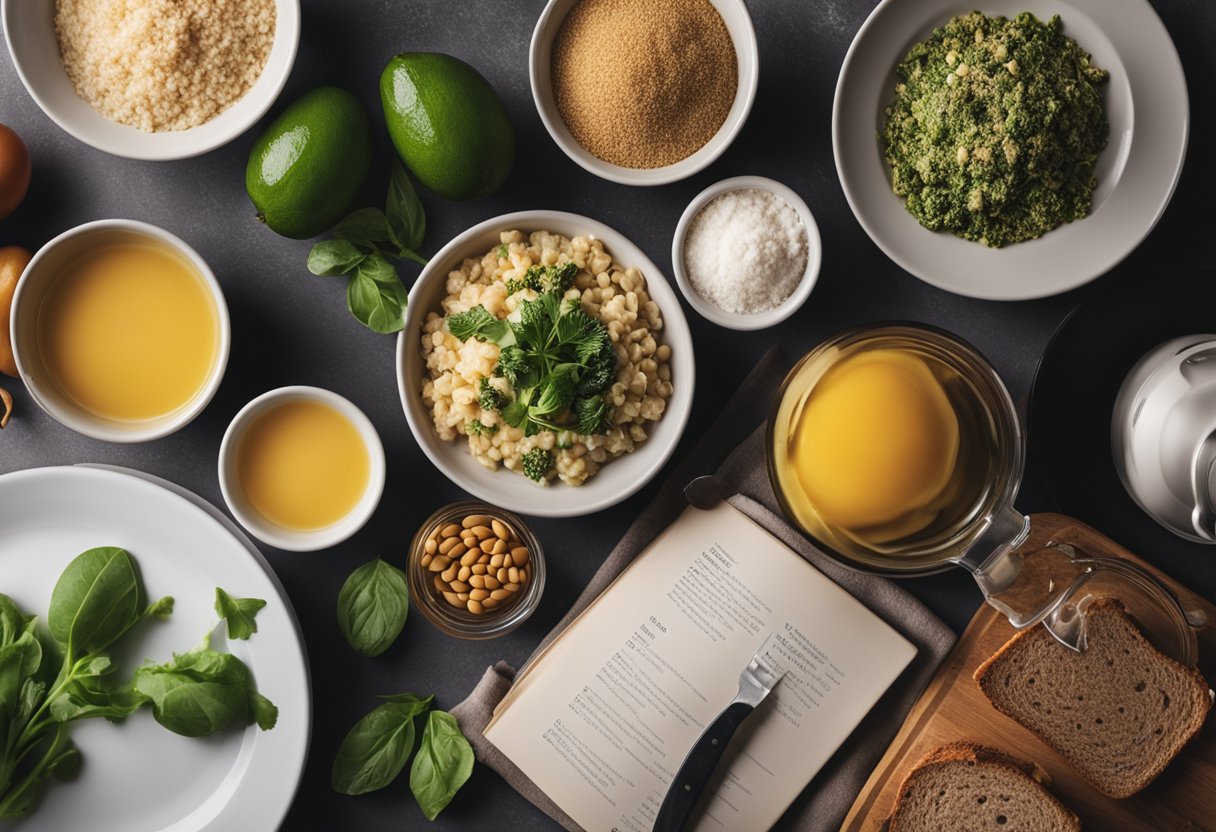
(475, 571)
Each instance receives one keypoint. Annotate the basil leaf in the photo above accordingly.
(443, 764)
(202, 692)
(406, 218)
(97, 598)
(376, 296)
(238, 613)
(367, 228)
(374, 751)
(372, 607)
(333, 257)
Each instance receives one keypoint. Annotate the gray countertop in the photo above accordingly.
(292, 328)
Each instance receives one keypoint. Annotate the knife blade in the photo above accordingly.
(755, 683)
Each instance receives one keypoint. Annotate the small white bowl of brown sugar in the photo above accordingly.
(643, 92)
(153, 79)
(746, 253)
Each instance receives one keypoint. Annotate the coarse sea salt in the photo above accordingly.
(746, 251)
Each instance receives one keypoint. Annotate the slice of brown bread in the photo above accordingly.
(1119, 711)
(964, 787)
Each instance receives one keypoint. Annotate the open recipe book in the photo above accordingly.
(602, 719)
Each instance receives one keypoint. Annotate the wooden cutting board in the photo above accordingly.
(953, 708)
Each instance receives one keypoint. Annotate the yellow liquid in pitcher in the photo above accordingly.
(885, 451)
(129, 332)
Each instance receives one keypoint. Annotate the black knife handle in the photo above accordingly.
(685, 789)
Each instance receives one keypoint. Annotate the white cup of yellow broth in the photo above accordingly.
(120, 331)
(301, 468)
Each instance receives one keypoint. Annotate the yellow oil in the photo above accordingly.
(884, 450)
(129, 332)
(303, 465)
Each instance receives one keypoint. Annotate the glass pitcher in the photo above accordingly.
(974, 524)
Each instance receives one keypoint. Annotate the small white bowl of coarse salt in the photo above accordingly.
(746, 253)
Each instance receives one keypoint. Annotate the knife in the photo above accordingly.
(755, 683)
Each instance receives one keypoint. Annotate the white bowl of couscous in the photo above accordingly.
(153, 79)
(649, 399)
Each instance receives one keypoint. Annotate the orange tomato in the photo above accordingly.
(15, 171)
(13, 260)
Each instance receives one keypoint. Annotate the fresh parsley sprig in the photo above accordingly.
(367, 240)
(557, 359)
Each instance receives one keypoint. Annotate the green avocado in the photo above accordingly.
(447, 123)
(305, 170)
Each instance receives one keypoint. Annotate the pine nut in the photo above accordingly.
(491, 582)
(479, 594)
(464, 574)
(476, 581)
(496, 562)
(475, 520)
(460, 586)
(489, 603)
(449, 574)
(470, 557)
(431, 546)
(500, 546)
(475, 607)
(453, 599)
(482, 532)
(479, 568)
(439, 563)
(500, 530)
(520, 555)
(500, 594)
(426, 561)
(447, 544)
(513, 574)
(487, 546)
(450, 529)
(502, 575)
(511, 587)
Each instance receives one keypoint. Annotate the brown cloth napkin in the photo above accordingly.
(734, 449)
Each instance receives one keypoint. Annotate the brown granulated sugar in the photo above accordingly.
(644, 83)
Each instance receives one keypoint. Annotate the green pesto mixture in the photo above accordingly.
(995, 127)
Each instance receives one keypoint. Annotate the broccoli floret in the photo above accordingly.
(538, 463)
(543, 279)
(477, 428)
(490, 397)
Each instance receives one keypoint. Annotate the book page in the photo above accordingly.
(603, 719)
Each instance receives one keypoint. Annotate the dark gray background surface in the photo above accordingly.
(292, 328)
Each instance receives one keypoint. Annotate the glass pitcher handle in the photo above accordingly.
(1027, 587)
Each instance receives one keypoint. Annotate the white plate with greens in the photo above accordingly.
(137, 776)
(1146, 106)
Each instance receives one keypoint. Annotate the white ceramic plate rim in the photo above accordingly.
(1071, 255)
(747, 52)
(97, 131)
(267, 788)
(287, 539)
(82, 422)
(558, 500)
(758, 320)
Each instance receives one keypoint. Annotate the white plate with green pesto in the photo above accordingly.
(1145, 101)
(136, 776)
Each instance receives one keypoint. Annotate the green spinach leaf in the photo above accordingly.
(19, 660)
(202, 692)
(375, 750)
(372, 607)
(238, 613)
(443, 764)
(376, 296)
(334, 257)
(97, 598)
